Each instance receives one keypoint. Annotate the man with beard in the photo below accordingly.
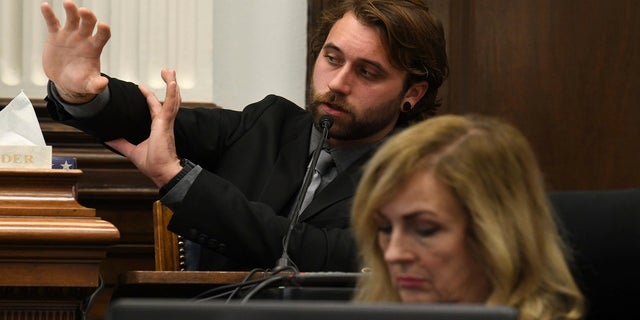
(232, 178)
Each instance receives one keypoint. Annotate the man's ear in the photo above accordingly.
(416, 92)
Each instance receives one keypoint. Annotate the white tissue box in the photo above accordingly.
(38, 157)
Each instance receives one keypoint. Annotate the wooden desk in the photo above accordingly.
(51, 247)
(188, 284)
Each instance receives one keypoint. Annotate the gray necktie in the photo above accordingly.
(323, 168)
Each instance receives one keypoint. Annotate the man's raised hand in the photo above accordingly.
(71, 55)
(156, 157)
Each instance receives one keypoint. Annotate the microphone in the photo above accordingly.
(324, 123)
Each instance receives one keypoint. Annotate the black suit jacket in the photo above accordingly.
(254, 162)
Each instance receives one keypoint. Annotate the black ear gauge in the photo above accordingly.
(406, 107)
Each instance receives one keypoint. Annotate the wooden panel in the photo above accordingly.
(315, 8)
(169, 252)
(40, 192)
(42, 310)
(120, 194)
(564, 72)
(51, 247)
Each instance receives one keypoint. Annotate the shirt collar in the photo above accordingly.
(345, 156)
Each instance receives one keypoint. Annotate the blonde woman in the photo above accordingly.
(454, 210)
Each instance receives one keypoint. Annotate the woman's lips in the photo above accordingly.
(410, 282)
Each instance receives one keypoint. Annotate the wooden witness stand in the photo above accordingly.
(170, 281)
(51, 247)
(169, 278)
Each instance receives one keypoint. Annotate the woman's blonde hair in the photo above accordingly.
(491, 169)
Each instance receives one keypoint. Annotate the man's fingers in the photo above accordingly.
(152, 101)
(149, 95)
(121, 145)
(172, 94)
(168, 75)
(53, 24)
(73, 18)
(179, 95)
(102, 35)
(87, 22)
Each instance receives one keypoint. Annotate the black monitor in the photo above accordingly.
(181, 309)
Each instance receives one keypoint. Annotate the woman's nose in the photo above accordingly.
(399, 249)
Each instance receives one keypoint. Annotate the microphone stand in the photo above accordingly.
(283, 262)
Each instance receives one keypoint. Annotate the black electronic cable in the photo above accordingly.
(84, 310)
(261, 286)
(325, 124)
(221, 291)
(246, 278)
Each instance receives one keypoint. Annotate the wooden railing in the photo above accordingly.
(51, 247)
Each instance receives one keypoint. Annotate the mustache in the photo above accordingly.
(336, 101)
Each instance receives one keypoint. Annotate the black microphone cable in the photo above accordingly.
(246, 278)
(234, 288)
(325, 124)
(283, 263)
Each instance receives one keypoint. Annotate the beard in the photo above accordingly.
(353, 126)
